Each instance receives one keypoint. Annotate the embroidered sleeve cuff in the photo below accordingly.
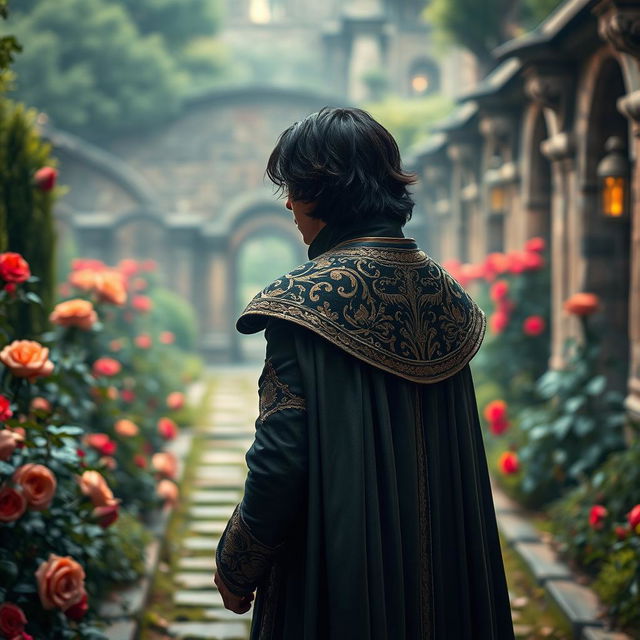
(242, 560)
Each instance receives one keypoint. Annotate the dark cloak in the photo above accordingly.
(367, 511)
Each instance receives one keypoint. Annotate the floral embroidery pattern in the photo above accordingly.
(393, 307)
(275, 395)
(242, 560)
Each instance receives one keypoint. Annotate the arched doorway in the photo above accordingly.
(265, 245)
(606, 242)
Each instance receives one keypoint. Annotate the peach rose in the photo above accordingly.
(27, 359)
(582, 304)
(84, 279)
(111, 288)
(168, 491)
(12, 504)
(95, 487)
(126, 428)
(40, 404)
(175, 400)
(165, 463)
(60, 582)
(38, 485)
(9, 440)
(74, 313)
(143, 341)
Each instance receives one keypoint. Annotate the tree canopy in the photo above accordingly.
(102, 66)
(482, 26)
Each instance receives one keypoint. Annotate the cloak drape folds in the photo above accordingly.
(367, 511)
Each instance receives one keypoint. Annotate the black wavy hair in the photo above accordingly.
(345, 161)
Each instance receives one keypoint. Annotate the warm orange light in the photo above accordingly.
(420, 83)
(613, 197)
(498, 199)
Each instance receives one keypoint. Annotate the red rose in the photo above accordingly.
(5, 408)
(106, 367)
(127, 395)
(532, 261)
(106, 515)
(166, 337)
(102, 443)
(143, 341)
(496, 411)
(499, 290)
(167, 428)
(13, 267)
(498, 427)
(498, 322)
(12, 504)
(516, 262)
(634, 517)
(45, 178)
(533, 325)
(536, 244)
(143, 304)
(140, 461)
(78, 610)
(508, 462)
(12, 620)
(621, 532)
(597, 514)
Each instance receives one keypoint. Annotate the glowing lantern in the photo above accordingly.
(613, 173)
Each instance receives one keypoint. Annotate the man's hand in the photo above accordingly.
(237, 604)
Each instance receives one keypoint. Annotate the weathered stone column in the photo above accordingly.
(619, 25)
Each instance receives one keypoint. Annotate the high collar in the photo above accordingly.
(331, 235)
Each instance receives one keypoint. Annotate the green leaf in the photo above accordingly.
(574, 404)
(33, 297)
(596, 385)
(562, 426)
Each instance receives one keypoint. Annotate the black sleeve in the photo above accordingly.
(276, 483)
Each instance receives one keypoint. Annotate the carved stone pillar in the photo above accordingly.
(619, 25)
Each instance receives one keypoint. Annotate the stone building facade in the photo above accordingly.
(538, 127)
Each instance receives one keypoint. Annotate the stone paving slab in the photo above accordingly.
(197, 563)
(220, 613)
(199, 598)
(208, 527)
(593, 633)
(211, 512)
(542, 561)
(222, 457)
(209, 630)
(579, 604)
(121, 630)
(210, 543)
(194, 580)
(517, 529)
(217, 496)
(216, 473)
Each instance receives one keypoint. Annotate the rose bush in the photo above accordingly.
(75, 424)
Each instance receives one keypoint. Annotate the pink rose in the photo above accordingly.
(141, 303)
(167, 337)
(143, 341)
(60, 582)
(102, 443)
(38, 485)
(106, 367)
(175, 400)
(634, 517)
(167, 428)
(45, 178)
(165, 463)
(12, 504)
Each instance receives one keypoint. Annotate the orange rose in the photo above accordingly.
(582, 304)
(9, 440)
(126, 428)
(85, 279)
(38, 485)
(168, 491)
(165, 463)
(60, 582)
(74, 313)
(27, 359)
(110, 287)
(95, 487)
(12, 504)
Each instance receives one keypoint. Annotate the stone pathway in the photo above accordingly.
(217, 487)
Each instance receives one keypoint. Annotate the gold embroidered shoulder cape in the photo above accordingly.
(382, 300)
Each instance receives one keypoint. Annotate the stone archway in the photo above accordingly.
(605, 264)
